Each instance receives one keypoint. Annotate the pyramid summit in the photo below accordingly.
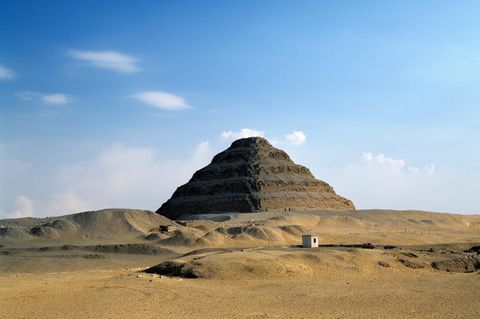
(252, 176)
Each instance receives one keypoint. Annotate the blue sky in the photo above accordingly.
(116, 103)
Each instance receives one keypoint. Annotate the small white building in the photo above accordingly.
(309, 241)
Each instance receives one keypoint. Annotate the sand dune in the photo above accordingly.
(275, 263)
(243, 230)
(107, 224)
(241, 265)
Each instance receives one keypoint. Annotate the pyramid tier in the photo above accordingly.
(252, 175)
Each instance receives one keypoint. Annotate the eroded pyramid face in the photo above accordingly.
(252, 176)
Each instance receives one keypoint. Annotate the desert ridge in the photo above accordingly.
(268, 241)
(381, 227)
(50, 267)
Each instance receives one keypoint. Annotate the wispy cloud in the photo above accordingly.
(162, 100)
(111, 60)
(123, 176)
(117, 176)
(243, 133)
(296, 138)
(380, 160)
(55, 98)
(383, 181)
(6, 73)
(24, 207)
(397, 166)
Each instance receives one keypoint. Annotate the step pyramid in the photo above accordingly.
(252, 176)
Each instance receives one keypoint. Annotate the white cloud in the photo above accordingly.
(413, 169)
(122, 176)
(24, 207)
(162, 100)
(15, 179)
(6, 73)
(296, 138)
(395, 166)
(55, 98)
(202, 151)
(111, 60)
(430, 169)
(243, 133)
(382, 181)
(383, 161)
(67, 202)
(118, 176)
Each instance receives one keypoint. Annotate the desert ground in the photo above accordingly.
(117, 263)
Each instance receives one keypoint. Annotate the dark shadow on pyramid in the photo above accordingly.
(252, 176)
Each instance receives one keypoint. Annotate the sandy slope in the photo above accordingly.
(120, 294)
(227, 230)
(87, 266)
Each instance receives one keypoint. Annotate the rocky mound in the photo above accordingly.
(269, 263)
(101, 224)
(251, 176)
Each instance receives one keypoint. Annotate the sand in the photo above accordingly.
(122, 294)
(247, 266)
